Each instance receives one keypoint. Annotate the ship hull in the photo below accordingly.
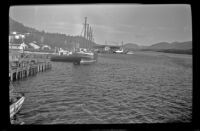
(87, 56)
(64, 58)
(74, 58)
(15, 107)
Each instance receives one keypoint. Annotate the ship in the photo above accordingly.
(130, 52)
(16, 105)
(65, 56)
(16, 102)
(79, 55)
(120, 51)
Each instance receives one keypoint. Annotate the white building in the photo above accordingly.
(46, 47)
(34, 45)
(64, 52)
(107, 48)
(23, 46)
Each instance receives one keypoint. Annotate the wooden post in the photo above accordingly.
(27, 72)
(16, 74)
(30, 71)
(22, 73)
(42, 66)
(19, 75)
(11, 76)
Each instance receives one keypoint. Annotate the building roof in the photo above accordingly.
(34, 45)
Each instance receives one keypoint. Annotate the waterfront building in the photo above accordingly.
(34, 45)
(14, 55)
(107, 48)
(46, 47)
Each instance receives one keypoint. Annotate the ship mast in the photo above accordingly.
(122, 45)
(85, 27)
(88, 34)
(85, 31)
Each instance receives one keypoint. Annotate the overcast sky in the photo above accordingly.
(130, 23)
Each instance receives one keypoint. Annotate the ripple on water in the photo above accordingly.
(117, 89)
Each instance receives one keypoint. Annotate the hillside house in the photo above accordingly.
(14, 55)
(46, 47)
(33, 45)
(106, 48)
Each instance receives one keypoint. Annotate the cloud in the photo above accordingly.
(63, 27)
(109, 29)
(162, 28)
(187, 29)
(140, 36)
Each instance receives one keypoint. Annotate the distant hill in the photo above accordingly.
(182, 45)
(51, 39)
(175, 45)
(161, 45)
(19, 27)
(131, 46)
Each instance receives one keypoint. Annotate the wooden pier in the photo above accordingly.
(26, 70)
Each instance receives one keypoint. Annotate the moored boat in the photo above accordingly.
(85, 62)
(65, 58)
(120, 51)
(16, 104)
(14, 120)
(130, 53)
(85, 54)
(79, 53)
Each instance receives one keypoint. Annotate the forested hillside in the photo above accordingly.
(51, 39)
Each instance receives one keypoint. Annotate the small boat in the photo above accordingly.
(65, 58)
(87, 61)
(16, 105)
(85, 54)
(78, 53)
(120, 51)
(130, 53)
(17, 122)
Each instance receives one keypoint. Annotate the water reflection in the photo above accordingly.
(81, 74)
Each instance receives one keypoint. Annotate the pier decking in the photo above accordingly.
(25, 70)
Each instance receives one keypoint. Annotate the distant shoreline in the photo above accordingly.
(173, 51)
(150, 53)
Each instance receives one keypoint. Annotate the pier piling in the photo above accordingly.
(18, 73)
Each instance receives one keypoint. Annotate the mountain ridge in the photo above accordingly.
(174, 45)
(51, 39)
(186, 45)
(67, 41)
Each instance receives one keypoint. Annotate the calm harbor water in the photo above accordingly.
(144, 87)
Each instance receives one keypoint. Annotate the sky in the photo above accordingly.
(131, 23)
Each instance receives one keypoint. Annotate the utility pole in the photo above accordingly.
(85, 27)
(87, 36)
(85, 32)
(90, 34)
(88, 31)
(122, 46)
